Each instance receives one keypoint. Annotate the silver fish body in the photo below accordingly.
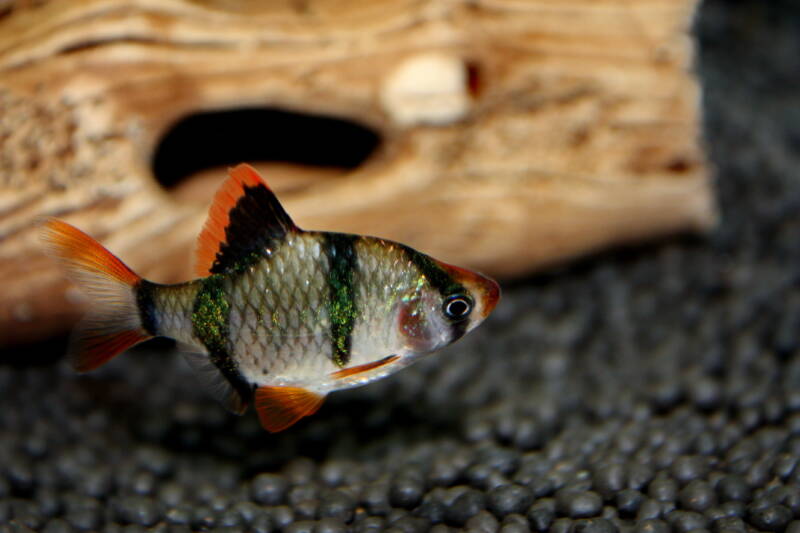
(282, 316)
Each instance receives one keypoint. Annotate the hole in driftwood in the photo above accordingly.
(292, 150)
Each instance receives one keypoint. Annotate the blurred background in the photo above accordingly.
(648, 388)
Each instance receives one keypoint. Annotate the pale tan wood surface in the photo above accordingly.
(515, 133)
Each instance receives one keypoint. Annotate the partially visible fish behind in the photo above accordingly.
(279, 317)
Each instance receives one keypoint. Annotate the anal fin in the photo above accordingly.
(281, 407)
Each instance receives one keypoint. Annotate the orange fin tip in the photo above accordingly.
(80, 253)
(281, 407)
(91, 350)
(347, 372)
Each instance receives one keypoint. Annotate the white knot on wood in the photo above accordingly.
(429, 88)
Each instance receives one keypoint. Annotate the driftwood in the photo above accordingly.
(515, 133)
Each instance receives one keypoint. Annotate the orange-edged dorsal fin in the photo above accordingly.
(360, 369)
(280, 407)
(244, 220)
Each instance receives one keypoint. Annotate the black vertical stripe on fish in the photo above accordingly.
(210, 324)
(145, 292)
(340, 250)
(257, 222)
(443, 282)
(436, 275)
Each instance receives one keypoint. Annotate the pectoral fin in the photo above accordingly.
(215, 383)
(281, 407)
(360, 369)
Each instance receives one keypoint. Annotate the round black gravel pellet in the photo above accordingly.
(508, 499)
(406, 493)
(562, 525)
(689, 467)
(685, 521)
(541, 514)
(203, 517)
(57, 525)
(733, 487)
(247, 511)
(515, 519)
(262, 524)
(649, 509)
(663, 489)
(772, 518)
(639, 475)
(652, 526)
(179, 515)
(697, 496)
(229, 518)
(337, 504)
(432, 509)
(467, 505)
(609, 479)
(301, 526)
(306, 510)
(330, 525)
(628, 502)
(370, 524)
(269, 489)
(578, 504)
(594, 525)
(137, 510)
(411, 524)
(85, 519)
(483, 522)
(730, 524)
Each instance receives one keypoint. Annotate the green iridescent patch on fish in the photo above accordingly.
(210, 324)
(210, 315)
(342, 309)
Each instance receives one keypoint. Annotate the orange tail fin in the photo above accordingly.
(113, 323)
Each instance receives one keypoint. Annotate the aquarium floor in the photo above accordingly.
(650, 389)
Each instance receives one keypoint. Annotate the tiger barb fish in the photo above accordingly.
(279, 317)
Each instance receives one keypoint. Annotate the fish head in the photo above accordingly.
(438, 312)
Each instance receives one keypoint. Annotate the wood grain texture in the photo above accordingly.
(516, 133)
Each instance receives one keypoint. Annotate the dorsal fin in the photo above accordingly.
(244, 219)
(280, 407)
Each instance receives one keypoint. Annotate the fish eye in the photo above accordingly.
(457, 307)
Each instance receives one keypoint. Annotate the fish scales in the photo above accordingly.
(278, 317)
(381, 281)
(279, 322)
